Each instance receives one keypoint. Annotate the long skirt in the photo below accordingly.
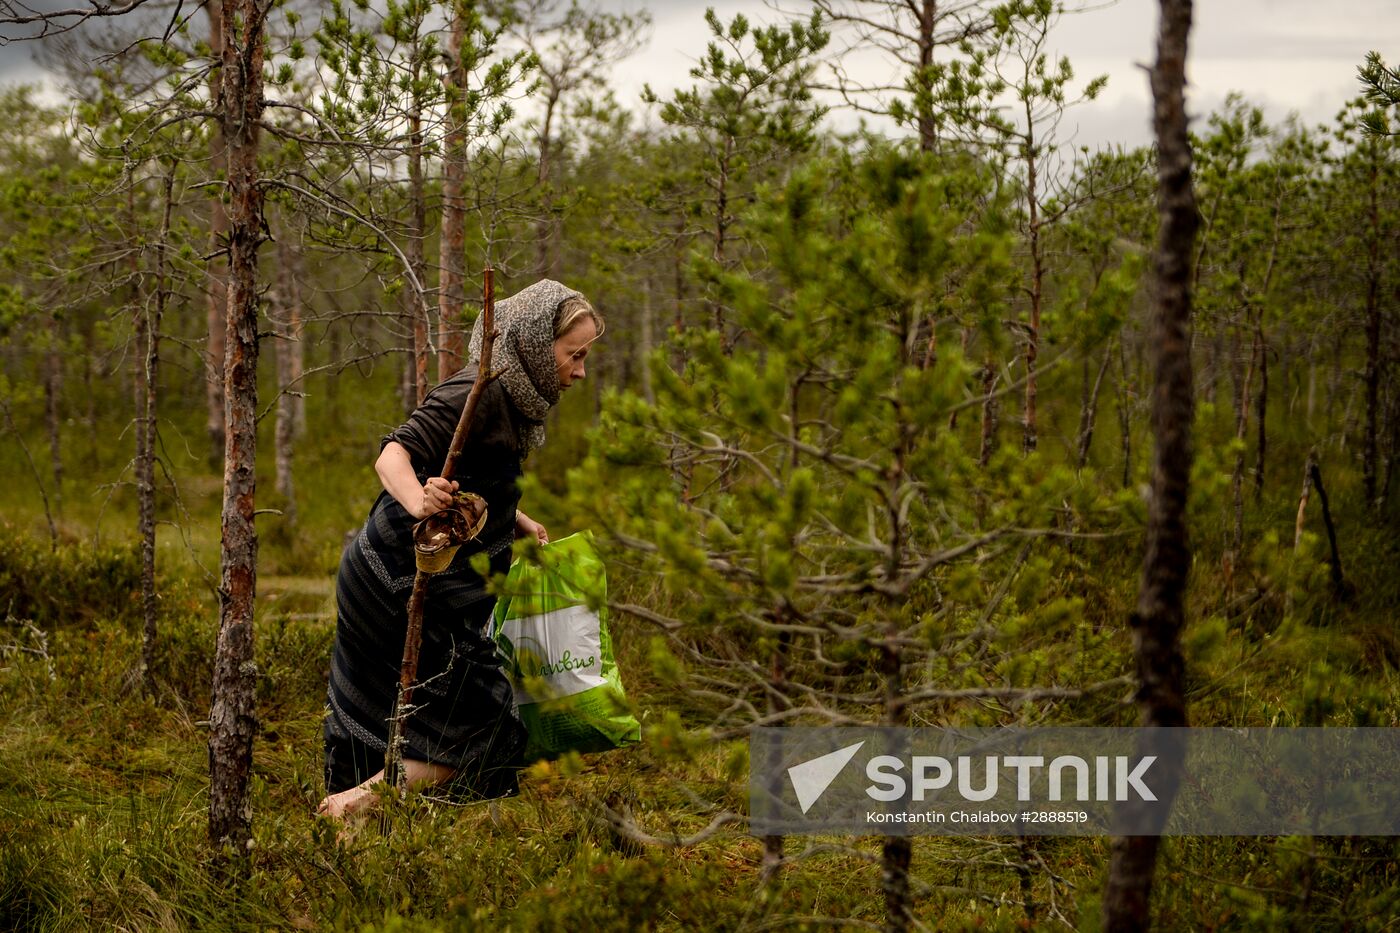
(463, 712)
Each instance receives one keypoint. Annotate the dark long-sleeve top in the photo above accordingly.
(491, 456)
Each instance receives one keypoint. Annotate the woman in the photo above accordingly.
(464, 732)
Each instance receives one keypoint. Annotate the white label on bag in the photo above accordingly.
(560, 648)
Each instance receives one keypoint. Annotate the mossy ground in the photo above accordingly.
(102, 803)
(103, 787)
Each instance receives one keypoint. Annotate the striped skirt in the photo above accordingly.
(464, 713)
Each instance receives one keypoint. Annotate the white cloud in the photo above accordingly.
(1285, 55)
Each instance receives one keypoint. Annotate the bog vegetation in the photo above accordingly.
(867, 441)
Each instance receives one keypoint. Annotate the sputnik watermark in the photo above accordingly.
(1075, 781)
(931, 773)
(811, 778)
(884, 770)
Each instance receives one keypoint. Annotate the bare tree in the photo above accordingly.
(1369, 454)
(236, 103)
(149, 314)
(452, 257)
(1021, 64)
(752, 108)
(232, 716)
(288, 350)
(44, 22)
(1161, 610)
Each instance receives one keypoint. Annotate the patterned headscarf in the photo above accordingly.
(524, 351)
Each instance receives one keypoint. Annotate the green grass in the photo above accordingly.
(102, 806)
(102, 788)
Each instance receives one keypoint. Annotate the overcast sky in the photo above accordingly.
(1285, 55)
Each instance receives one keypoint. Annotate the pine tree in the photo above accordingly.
(752, 107)
(940, 48)
(572, 48)
(1368, 214)
(829, 551)
(403, 95)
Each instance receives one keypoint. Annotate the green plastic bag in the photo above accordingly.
(558, 654)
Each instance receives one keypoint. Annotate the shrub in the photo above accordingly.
(68, 586)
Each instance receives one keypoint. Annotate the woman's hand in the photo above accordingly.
(395, 470)
(437, 495)
(526, 526)
(396, 474)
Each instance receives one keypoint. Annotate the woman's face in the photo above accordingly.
(570, 350)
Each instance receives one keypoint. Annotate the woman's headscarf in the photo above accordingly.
(523, 353)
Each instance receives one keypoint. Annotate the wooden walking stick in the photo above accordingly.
(436, 540)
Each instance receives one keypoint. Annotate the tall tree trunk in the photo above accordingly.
(1312, 384)
(1261, 408)
(722, 221)
(452, 258)
(1392, 447)
(646, 341)
(1369, 449)
(296, 370)
(773, 845)
(1334, 378)
(1161, 614)
(232, 715)
(896, 851)
(931, 347)
(989, 412)
(53, 398)
(89, 339)
(1339, 584)
(1239, 396)
(678, 273)
(677, 257)
(1030, 436)
(546, 231)
(1286, 371)
(216, 273)
(1288, 375)
(1089, 414)
(1214, 350)
(1299, 522)
(408, 378)
(1237, 475)
(1125, 421)
(896, 856)
(332, 385)
(140, 324)
(289, 388)
(928, 129)
(417, 266)
(149, 321)
(1261, 344)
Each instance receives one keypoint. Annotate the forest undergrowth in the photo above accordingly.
(103, 788)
